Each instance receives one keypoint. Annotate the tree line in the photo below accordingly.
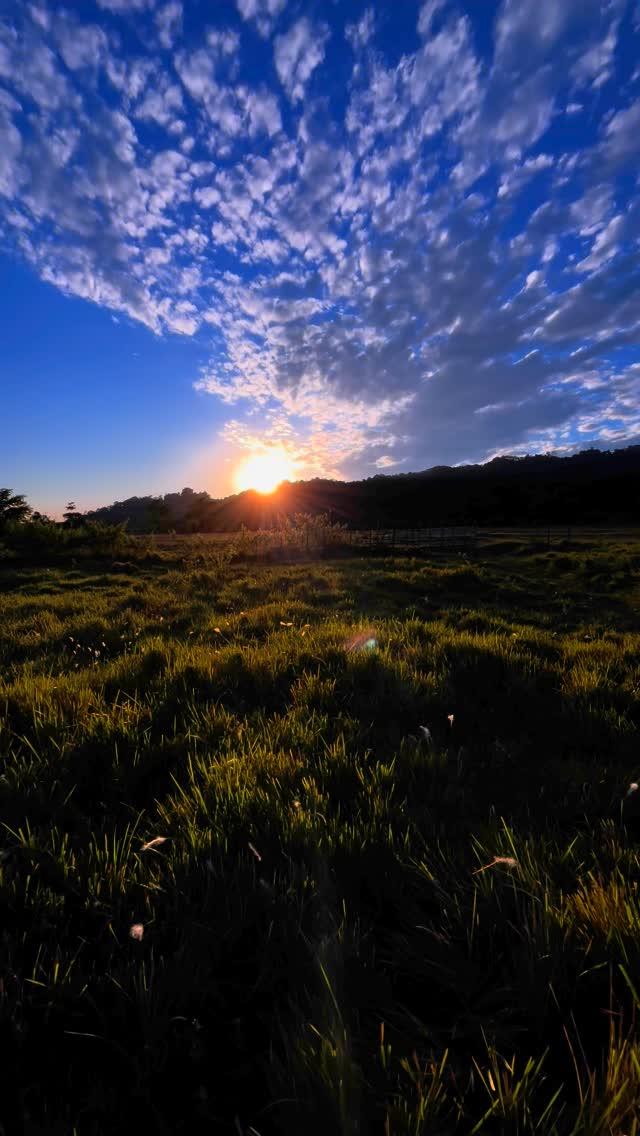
(591, 487)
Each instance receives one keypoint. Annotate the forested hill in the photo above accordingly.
(590, 487)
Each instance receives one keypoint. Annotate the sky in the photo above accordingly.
(377, 238)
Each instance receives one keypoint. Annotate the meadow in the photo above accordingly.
(334, 847)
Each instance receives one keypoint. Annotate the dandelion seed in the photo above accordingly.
(254, 851)
(136, 931)
(217, 630)
(508, 861)
(157, 840)
(450, 718)
(427, 733)
(633, 788)
(296, 804)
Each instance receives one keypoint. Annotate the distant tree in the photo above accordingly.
(159, 515)
(198, 517)
(13, 507)
(71, 515)
(37, 518)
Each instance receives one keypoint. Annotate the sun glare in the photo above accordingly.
(264, 472)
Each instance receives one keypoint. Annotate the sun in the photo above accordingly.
(264, 471)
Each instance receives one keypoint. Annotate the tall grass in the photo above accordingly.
(351, 926)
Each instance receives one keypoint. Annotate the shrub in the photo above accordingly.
(40, 540)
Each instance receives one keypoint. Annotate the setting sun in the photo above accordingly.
(264, 472)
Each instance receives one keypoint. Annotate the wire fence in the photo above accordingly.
(315, 538)
(472, 537)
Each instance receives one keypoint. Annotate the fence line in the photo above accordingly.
(443, 538)
(450, 538)
(422, 538)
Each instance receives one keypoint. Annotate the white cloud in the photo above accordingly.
(121, 6)
(360, 33)
(263, 13)
(81, 45)
(207, 196)
(262, 111)
(531, 29)
(595, 66)
(129, 77)
(428, 12)
(233, 108)
(298, 53)
(223, 41)
(162, 103)
(9, 153)
(591, 211)
(533, 279)
(604, 246)
(169, 22)
(32, 68)
(515, 179)
(622, 135)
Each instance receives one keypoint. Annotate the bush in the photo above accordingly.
(39, 540)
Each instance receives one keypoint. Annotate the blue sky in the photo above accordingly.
(376, 237)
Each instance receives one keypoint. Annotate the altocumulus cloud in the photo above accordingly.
(408, 237)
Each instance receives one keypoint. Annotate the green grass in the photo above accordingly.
(351, 928)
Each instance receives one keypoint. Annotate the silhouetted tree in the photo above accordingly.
(159, 515)
(13, 507)
(72, 517)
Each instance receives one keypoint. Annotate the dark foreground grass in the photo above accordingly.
(351, 926)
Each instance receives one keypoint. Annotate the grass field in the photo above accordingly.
(352, 925)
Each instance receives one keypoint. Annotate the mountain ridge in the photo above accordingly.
(591, 486)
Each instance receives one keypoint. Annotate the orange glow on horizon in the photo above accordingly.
(264, 471)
